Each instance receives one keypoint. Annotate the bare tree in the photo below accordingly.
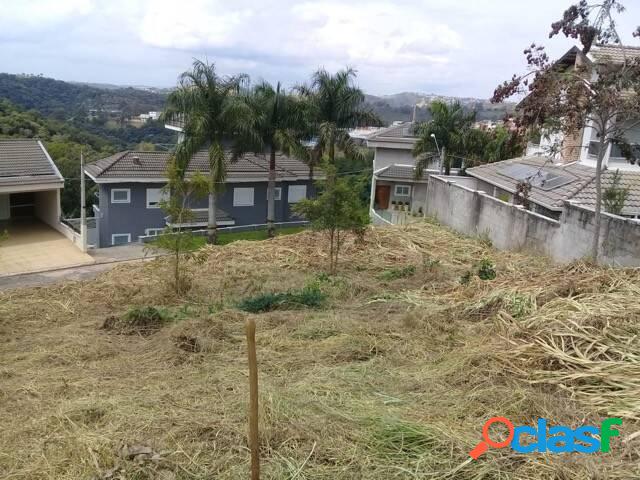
(601, 92)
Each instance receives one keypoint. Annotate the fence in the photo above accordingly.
(239, 228)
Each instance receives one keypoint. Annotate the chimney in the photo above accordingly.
(136, 161)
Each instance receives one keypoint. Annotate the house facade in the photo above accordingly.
(131, 187)
(583, 146)
(394, 189)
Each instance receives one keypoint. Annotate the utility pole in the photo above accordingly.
(83, 205)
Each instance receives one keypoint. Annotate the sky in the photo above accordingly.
(446, 47)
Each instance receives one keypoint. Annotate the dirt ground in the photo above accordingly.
(391, 378)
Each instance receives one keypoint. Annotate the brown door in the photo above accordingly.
(383, 192)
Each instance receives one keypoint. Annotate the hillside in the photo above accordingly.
(392, 376)
(100, 111)
(63, 142)
(399, 106)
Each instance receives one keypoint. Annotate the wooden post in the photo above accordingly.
(254, 444)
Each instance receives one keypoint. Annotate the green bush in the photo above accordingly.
(398, 272)
(486, 269)
(310, 296)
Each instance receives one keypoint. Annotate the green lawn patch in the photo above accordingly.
(310, 296)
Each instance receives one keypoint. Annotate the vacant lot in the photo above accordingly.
(390, 374)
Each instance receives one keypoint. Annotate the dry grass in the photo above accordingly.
(392, 379)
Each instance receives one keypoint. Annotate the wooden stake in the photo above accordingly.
(253, 400)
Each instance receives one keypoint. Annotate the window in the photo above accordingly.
(153, 232)
(402, 191)
(120, 195)
(277, 194)
(120, 238)
(297, 193)
(155, 196)
(243, 197)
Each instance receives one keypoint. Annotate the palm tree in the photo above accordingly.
(335, 106)
(211, 110)
(278, 117)
(450, 124)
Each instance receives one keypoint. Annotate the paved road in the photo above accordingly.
(105, 258)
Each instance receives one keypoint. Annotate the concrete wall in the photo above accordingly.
(508, 226)
(47, 207)
(135, 217)
(388, 156)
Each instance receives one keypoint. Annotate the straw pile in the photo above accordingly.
(392, 377)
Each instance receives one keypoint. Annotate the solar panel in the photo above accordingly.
(537, 177)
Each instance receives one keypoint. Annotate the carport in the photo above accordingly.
(30, 185)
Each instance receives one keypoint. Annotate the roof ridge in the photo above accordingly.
(118, 156)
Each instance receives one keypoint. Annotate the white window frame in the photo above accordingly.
(397, 194)
(301, 197)
(242, 202)
(114, 235)
(114, 190)
(147, 232)
(277, 194)
(162, 195)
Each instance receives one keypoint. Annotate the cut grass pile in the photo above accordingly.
(224, 238)
(384, 379)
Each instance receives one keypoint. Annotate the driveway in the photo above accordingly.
(34, 246)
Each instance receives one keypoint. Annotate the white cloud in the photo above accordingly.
(380, 34)
(24, 16)
(191, 24)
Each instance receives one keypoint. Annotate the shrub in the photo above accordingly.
(398, 272)
(138, 320)
(310, 296)
(486, 269)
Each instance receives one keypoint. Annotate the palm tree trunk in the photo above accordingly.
(271, 197)
(595, 245)
(212, 224)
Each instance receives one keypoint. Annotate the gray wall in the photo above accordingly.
(511, 227)
(135, 217)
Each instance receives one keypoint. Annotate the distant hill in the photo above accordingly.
(102, 111)
(65, 100)
(400, 106)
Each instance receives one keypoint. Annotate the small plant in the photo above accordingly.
(520, 305)
(429, 264)
(486, 269)
(138, 320)
(465, 279)
(310, 296)
(398, 272)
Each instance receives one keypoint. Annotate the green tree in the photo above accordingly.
(335, 105)
(451, 127)
(278, 117)
(212, 112)
(336, 210)
(180, 193)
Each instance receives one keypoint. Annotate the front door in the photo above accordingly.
(383, 192)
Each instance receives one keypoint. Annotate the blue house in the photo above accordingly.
(131, 188)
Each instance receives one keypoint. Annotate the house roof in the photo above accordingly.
(25, 161)
(403, 133)
(402, 172)
(629, 180)
(614, 53)
(572, 178)
(151, 166)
